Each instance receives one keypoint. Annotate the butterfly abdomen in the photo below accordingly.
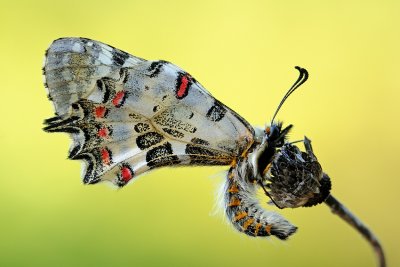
(244, 211)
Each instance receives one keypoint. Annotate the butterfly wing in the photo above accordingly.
(73, 66)
(127, 115)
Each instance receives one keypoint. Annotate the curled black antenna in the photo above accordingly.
(303, 76)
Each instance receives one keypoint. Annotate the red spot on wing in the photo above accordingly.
(100, 111)
(103, 132)
(126, 174)
(183, 87)
(118, 99)
(105, 156)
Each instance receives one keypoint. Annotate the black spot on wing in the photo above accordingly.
(149, 139)
(124, 74)
(119, 57)
(90, 174)
(193, 151)
(167, 119)
(155, 68)
(74, 151)
(134, 116)
(83, 40)
(53, 119)
(161, 156)
(174, 133)
(141, 127)
(216, 112)
(156, 108)
(68, 125)
(106, 86)
(200, 141)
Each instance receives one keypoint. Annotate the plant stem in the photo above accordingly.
(340, 210)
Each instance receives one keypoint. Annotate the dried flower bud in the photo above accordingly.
(295, 178)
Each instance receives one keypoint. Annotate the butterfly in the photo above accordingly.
(127, 116)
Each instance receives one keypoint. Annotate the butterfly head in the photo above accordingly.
(290, 177)
(274, 134)
(271, 138)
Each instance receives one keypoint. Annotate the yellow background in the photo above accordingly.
(243, 52)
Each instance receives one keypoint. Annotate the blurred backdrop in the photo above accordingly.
(243, 52)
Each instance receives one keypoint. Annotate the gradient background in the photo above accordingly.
(244, 54)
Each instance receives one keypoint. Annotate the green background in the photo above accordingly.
(243, 52)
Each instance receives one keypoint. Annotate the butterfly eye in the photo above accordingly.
(273, 132)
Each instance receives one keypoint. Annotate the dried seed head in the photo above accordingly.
(296, 179)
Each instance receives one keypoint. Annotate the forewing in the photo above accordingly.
(140, 115)
(73, 66)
